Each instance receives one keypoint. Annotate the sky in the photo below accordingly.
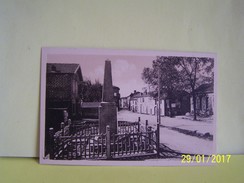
(126, 70)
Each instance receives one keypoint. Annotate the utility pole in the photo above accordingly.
(159, 116)
(159, 109)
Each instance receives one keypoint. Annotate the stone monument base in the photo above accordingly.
(108, 116)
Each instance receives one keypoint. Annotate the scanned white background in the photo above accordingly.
(203, 26)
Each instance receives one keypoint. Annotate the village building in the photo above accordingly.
(123, 103)
(116, 96)
(148, 104)
(204, 100)
(145, 103)
(178, 104)
(62, 92)
(62, 96)
(133, 102)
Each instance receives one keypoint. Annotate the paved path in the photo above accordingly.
(199, 126)
(173, 139)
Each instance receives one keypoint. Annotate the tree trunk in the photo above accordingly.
(170, 109)
(194, 105)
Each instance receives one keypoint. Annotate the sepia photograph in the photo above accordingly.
(127, 107)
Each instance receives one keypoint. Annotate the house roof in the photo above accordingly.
(149, 94)
(135, 95)
(62, 68)
(180, 93)
(205, 88)
(90, 104)
(141, 95)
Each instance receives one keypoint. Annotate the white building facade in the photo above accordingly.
(145, 103)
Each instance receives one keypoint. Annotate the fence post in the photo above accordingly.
(51, 143)
(66, 115)
(146, 125)
(108, 142)
(92, 130)
(139, 120)
(158, 139)
(71, 127)
(62, 128)
(69, 122)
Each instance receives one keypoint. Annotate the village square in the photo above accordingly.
(91, 120)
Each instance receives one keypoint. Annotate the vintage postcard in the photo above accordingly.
(127, 107)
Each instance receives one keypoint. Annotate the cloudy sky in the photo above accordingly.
(126, 70)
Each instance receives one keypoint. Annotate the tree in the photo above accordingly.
(166, 70)
(194, 71)
(91, 92)
(179, 73)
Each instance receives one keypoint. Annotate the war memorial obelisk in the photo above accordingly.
(108, 109)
